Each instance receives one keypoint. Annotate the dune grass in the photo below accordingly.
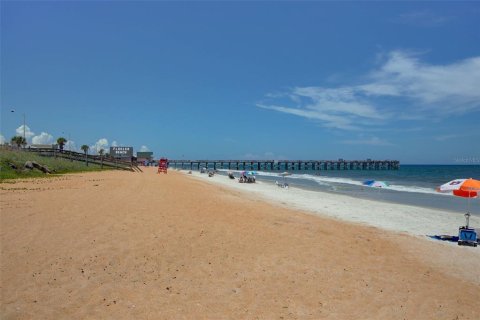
(57, 166)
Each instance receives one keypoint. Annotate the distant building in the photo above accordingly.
(144, 157)
(43, 146)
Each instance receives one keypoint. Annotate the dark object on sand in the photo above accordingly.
(467, 236)
(444, 237)
(34, 165)
(230, 175)
(211, 173)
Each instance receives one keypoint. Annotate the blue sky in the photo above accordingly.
(233, 80)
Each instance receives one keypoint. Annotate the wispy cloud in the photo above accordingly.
(423, 18)
(401, 88)
(443, 89)
(446, 137)
(372, 141)
(265, 156)
(144, 149)
(2, 139)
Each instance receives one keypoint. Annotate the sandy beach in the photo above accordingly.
(122, 245)
(409, 219)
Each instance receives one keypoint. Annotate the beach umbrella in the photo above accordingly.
(284, 175)
(460, 184)
(375, 184)
(465, 188)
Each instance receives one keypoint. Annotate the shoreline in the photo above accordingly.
(400, 218)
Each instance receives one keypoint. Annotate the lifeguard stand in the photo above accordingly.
(162, 165)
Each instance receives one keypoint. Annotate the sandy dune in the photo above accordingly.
(119, 245)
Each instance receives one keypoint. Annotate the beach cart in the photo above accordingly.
(467, 236)
(162, 165)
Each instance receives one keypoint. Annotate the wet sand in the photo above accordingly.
(120, 245)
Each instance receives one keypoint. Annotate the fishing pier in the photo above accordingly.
(286, 165)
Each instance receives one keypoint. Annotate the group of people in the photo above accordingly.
(244, 179)
(282, 185)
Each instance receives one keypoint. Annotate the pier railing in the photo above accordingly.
(82, 157)
(287, 165)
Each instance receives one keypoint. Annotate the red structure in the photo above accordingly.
(162, 165)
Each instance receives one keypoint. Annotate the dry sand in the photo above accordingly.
(120, 245)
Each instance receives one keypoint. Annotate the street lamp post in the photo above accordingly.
(69, 147)
(24, 138)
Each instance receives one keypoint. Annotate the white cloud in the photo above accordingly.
(372, 141)
(114, 143)
(100, 144)
(43, 138)
(265, 156)
(2, 139)
(446, 137)
(422, 90)
(443, 89)
(423, 19)
(70, 145)
(144, 149)
(329, 119)
(28, 132)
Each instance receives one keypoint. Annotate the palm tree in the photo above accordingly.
(85, 149)
(61, 142)
(18, 140)
(100, 152)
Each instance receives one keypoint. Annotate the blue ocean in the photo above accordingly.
(411, 184)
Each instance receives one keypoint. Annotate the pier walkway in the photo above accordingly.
(286, 165)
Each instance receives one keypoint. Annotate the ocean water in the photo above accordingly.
(411, 184)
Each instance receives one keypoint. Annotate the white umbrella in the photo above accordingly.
(466, 188)
(284, 174)
(375, 184)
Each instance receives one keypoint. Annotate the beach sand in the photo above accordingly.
(122, 245)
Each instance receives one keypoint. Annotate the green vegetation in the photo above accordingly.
(19, 141)
(85, 149)
(61, 142)
(58, 166)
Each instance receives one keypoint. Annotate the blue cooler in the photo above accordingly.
(467, 236)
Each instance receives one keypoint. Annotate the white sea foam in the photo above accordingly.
(334, 181)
